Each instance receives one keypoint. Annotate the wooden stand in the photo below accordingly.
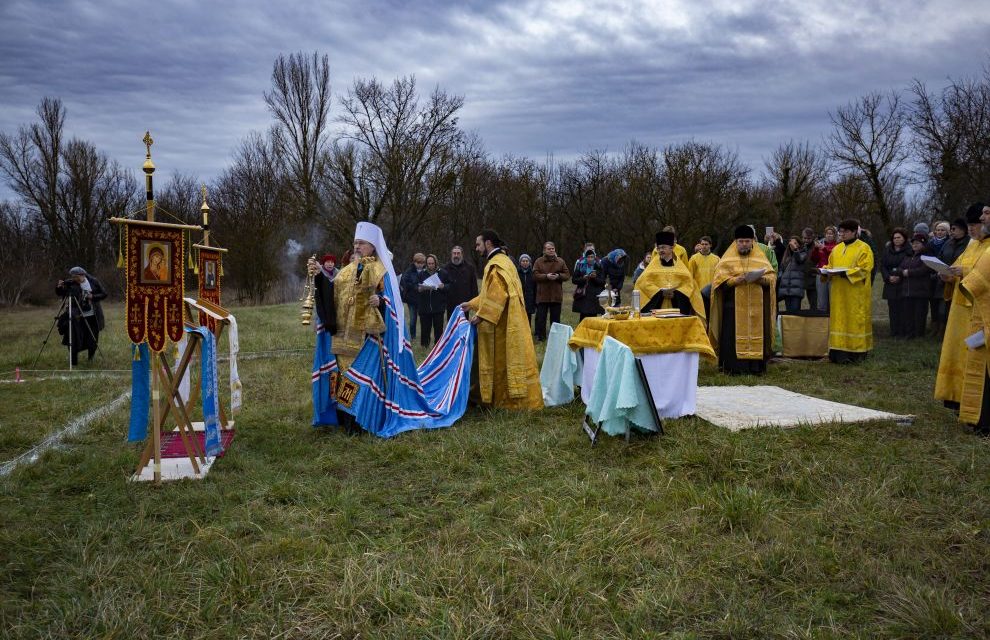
(167, 400)
(162, 379)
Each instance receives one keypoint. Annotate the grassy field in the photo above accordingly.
(507, 525)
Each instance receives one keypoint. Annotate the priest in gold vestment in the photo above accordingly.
(952, 361)
(850, 323)
(667, 283)
(505, 357)
(974, 405)
(743, 306)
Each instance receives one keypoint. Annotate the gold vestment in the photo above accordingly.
(952, 360)
(507, 372)
(703, 268)
(749, 301)
(850, 322)
(976, 287)
(355, 317)
(656, 276)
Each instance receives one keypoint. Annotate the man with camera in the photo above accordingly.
(81, 321)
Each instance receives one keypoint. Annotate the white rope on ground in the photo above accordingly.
(102, 374)
(68, 430)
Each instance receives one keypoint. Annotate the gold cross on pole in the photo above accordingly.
(148, 141)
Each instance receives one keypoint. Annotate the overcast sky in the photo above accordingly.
(538, 77)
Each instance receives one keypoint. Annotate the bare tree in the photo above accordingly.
(68, 186)
(248, 201)
(793, 174)
(700, 188)
(396, 156)
(181, 197)
(868, 140)
(951, 134)
(300, 102)
(20, 261)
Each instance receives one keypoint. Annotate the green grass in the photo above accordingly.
(507, 525)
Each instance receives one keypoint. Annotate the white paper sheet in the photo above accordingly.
(936, 265)
(433, 282)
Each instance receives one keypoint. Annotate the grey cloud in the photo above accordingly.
(538, 77)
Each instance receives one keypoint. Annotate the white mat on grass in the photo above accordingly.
(174, 469)
(741, 407)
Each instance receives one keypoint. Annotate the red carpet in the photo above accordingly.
(172, 446)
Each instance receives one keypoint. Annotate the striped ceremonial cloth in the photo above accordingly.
(431, 396)
(324, 366)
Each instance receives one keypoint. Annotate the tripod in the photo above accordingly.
(68, 302)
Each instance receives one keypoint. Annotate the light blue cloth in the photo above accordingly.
(618, 400)
(209, 390)
(561, 370)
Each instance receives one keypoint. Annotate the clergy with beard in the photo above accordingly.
(743, 306)
(504, 358)
(667, 283)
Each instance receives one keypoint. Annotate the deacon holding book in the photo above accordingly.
(743, 306)
(849, 272)
(667, 283)
(504, 356)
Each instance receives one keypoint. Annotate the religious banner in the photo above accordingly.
(155, 282)
(210, 268)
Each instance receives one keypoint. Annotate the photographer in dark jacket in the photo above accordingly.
(82, 319)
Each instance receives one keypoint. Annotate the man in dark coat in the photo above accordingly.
(81, 322)
(463, 280)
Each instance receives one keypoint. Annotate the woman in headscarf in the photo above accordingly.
(590, 281)
(528, 281)
(614, 268)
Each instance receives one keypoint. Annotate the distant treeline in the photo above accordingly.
(401, 159)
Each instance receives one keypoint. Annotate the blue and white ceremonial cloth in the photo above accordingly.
(399, 396)
(324, 376)
(209, 390)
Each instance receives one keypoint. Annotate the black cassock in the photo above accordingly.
(727, 360)
(679, 301)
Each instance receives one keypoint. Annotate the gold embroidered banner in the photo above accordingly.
(210, 271)
(155, 283)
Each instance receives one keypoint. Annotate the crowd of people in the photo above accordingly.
(926, 274)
